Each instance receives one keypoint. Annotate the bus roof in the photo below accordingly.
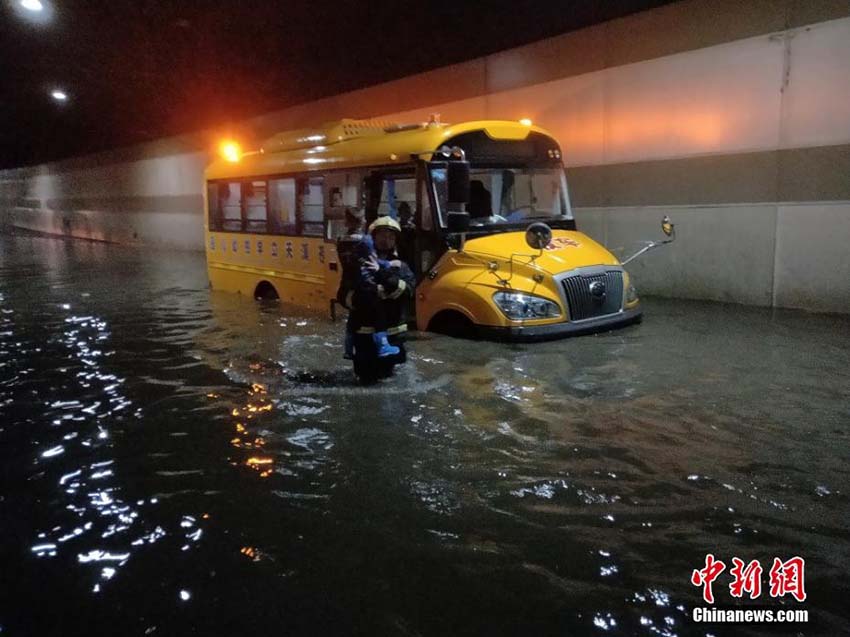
(351, 143)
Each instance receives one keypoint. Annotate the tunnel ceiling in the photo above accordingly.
(141, 69)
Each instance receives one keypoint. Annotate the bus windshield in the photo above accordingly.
(507, 196)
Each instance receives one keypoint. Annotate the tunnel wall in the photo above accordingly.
(732, 118)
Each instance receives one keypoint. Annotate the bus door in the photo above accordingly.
(393, 193)
(430, 244)
(343, 191)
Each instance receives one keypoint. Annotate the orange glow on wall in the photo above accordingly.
(702, 131)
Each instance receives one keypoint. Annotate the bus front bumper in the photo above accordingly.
(561, 330)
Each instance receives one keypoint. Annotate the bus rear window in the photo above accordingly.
(213, 208)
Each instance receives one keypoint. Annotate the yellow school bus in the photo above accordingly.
(487, 225)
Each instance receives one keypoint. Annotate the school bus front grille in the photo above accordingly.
(593, 294)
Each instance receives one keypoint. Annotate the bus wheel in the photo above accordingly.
(265, 291)
(452, 323)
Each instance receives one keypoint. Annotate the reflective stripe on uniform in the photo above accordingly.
(402, 286)
(398, 329)
(382, 293)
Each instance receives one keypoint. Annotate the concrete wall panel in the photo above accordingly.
(715, 179)
(722, 253)
(155, 201)
(814, 174)
(816, 100)
(790, 175)
(172, 229)
(673, 28)
(723, 99)
(681, 27)
(581, 52)
(813, 257)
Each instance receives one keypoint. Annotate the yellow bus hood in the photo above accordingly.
(567, 250)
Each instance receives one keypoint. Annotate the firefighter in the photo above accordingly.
(366, 280)
(392, 293)
(386, 232)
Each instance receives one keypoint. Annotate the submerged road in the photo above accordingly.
(176, 462)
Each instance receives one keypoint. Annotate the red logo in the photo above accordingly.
(786, 578)
(562, 242)
(706, 576)
(747, 579)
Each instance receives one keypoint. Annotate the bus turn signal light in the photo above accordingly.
(230, 150)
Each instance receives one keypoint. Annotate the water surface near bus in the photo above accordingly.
(176, 461)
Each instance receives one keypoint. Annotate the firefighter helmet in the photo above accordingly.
(384, 222)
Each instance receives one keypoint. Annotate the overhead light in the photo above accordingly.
(525, 121)
(32, 5)
(59, 96)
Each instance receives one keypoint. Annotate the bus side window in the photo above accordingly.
(311, 206)
(230, 202)
(255, 206)
(343, 191)
(213, 208)
(282, 219)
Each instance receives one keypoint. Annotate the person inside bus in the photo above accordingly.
(480, 206)
(405, 216)
(406, 240)
(365, 278)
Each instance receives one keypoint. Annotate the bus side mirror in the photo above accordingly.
(538, 235)
(458, 181)
(457, 222)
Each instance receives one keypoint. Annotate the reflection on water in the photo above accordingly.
(178, 461)
(98, 520)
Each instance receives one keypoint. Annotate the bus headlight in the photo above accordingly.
(520, 307)
(631, 294)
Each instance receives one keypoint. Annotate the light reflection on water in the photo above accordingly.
(176, 460)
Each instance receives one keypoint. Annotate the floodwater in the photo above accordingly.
(177, 462)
